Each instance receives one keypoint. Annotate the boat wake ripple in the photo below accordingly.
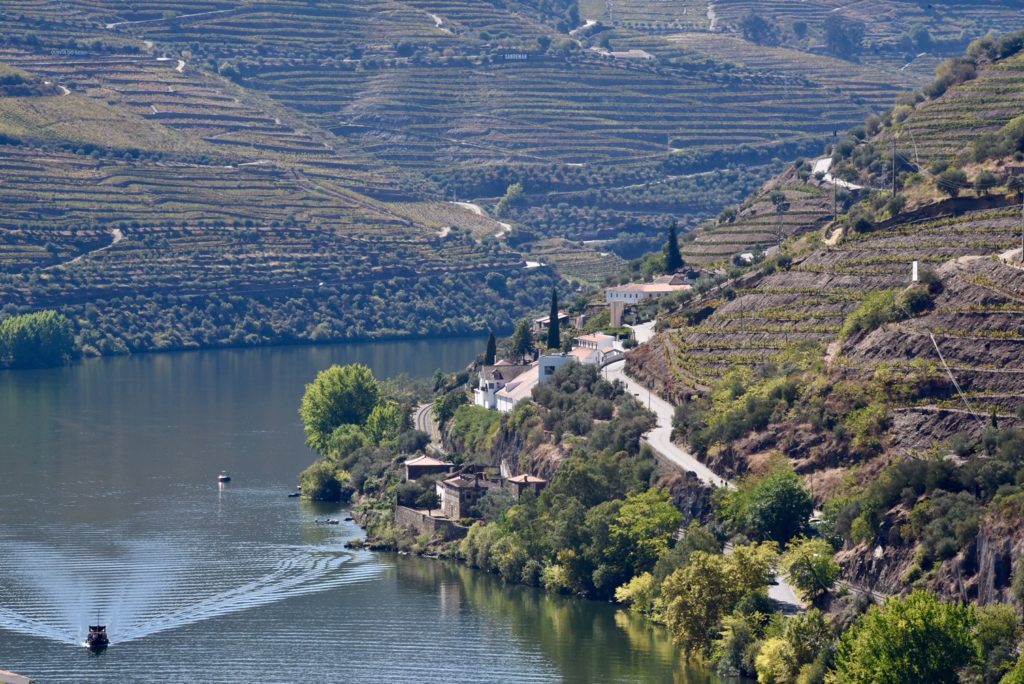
(142, 588)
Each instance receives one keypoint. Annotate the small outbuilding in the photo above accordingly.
(460, 493)
(525, 483)
(426, 465)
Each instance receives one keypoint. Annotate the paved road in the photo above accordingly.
(660, 439)
(423, 420)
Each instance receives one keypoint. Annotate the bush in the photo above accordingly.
(323, 482)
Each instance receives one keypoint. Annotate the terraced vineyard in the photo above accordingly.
(273, 150)
(809, 302)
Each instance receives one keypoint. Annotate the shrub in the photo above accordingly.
(912, 639)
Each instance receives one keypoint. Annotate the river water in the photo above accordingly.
(110, 511)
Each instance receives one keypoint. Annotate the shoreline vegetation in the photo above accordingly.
(614, 525)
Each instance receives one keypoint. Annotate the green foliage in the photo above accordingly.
(776, 663)
(554, 327)
(673, 259)
(877, 309)
(513, 196)
(323, 481)
(522, 346)
(843, 37)
(952, 182)
(773, 507)
(810, 566)
(36, 340)
(491, 352)
(473, 429)
(638, 593)
(386, 422)
(997, 633)
(696, 597)
(447, 404)
(345, 439)
(339, 395)
(917, 639)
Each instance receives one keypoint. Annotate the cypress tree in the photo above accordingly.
(492, 350)
(554, 334)
(673, 259)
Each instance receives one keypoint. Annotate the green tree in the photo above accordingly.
(985, 181)
(673, 259)
(322, 481)
(914, 640)
(491, 353)
(36, 340)
(345, 439)
(776, 663)
(952, 182)
(513, 195)
(694, 598)
(997, 633)
(523, 345)
(843, 38)
(386, 421)
(554, 332)
(339, 395)
(810, 566)
(775, 506)
(428, 500)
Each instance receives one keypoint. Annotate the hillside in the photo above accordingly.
(297, 161)
(893, 398)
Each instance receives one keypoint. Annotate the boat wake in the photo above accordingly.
(142, 588)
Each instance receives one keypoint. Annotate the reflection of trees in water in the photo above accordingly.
(587, 641)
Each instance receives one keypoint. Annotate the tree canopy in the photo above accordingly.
(492, 350)
(36, 340)
(810, 566)
(914, 640)
(523, 345)
(775, 506)
(339, 395)
(673, 258)
(554, 332)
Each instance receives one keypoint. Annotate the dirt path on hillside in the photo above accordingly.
(115, 233)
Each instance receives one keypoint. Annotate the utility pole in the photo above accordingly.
(894, 165)
(835, 199)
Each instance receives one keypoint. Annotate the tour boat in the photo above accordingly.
(97, 639)
(223, 477)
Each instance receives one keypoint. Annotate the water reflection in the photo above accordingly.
(619, 647)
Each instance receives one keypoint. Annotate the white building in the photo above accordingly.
(521, 387)
(621, 296)
(495, 378)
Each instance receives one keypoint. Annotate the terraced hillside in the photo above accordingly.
(166, 148)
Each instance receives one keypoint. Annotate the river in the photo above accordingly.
(110, 511)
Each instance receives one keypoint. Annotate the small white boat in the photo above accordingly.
(224, 476)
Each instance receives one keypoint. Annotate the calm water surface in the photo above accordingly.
(109, 510)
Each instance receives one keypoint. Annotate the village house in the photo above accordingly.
(525, 483)
(426, 465)
(494, 379)
(621, 296)
(461, 493)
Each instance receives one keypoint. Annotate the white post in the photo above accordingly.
(913, 273)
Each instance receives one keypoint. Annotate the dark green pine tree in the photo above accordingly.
(673, 259)
(554, 333)
(492, 350)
